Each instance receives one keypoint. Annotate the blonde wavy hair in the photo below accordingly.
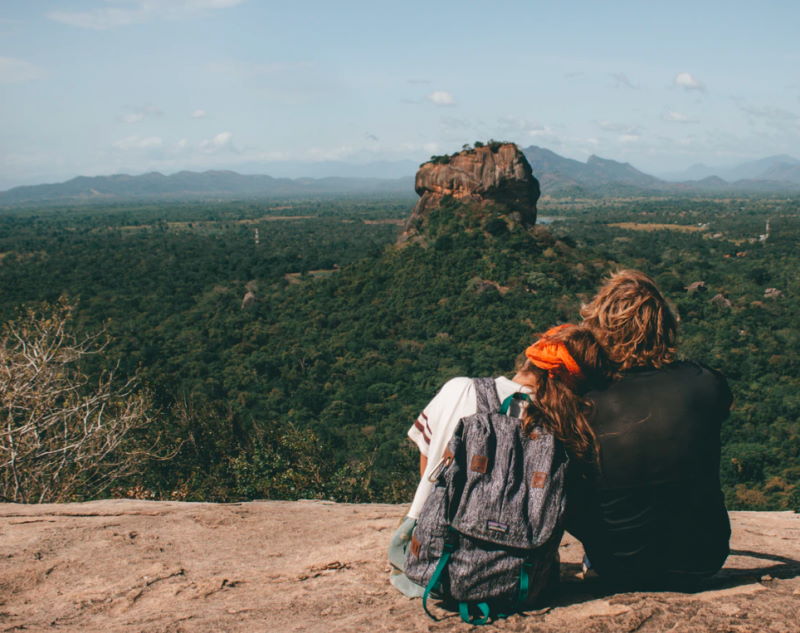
(633, 321)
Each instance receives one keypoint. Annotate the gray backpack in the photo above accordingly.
(488, 534)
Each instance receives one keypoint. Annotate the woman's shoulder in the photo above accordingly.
(459, 382)
(462, 385)
(455, 399)
(456, 387)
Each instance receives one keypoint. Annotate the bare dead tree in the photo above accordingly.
(62, 436)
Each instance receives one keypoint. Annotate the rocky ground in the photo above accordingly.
(147, 567)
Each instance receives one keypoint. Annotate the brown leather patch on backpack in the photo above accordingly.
(479, 463)
(415, 546)
(538, 479)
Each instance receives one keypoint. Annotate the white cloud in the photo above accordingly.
(137, 11)
(223, 138)
(677, 117)
(132, 117)
(629, 138)
(185, 149)
(138, 142)
(139, 114)
(441, 98)
(14, 71)
(687, 81)
(220, 142)
(199, 114)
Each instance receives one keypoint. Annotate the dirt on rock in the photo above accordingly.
(314, 566)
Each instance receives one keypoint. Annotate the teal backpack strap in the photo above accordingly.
(485, 609)
(463, 609)
(449, 548)
(524, 583)
(507, 402)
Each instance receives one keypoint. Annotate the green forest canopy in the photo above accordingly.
(308, 391)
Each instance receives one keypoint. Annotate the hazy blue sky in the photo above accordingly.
(103, 86)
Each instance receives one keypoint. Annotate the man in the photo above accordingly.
(651, 510)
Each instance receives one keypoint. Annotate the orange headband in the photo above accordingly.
(554, 357)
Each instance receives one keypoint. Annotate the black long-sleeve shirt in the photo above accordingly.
(654, 510)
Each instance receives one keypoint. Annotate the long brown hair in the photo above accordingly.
(558, 405)
(633, 321)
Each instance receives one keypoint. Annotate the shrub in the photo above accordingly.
(63, 437)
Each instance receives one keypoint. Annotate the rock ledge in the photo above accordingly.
(314, 566)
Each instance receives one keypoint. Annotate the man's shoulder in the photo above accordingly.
(693, 367)
(686, 379)
(696, 376)
(689, 371)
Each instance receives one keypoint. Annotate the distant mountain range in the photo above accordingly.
(190, 184)
(558, 176)
(781, 167)
(601, 176)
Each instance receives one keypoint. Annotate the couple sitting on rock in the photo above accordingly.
(639, 434)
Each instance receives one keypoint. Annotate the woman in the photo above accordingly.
(556, 370)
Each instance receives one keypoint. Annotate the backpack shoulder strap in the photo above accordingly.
(486, 395)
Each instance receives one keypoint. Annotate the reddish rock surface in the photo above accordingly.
(312, 566)
(499, 176)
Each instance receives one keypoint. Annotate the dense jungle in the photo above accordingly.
(285, 347)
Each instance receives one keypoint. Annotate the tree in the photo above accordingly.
(63, 436)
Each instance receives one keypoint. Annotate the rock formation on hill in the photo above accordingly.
(497, 175)
(314, 566)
